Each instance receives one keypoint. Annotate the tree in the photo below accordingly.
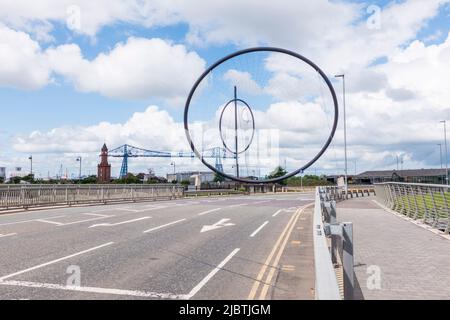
(28, 178)
(219, 178)
(308, 180)
(89, 180)
(278, 172)
(185, 183)
(2, 179)
(128, 179)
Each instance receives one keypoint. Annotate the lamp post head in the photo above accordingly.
(339, 76)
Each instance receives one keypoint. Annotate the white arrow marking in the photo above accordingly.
(118, 223)
(217, 225)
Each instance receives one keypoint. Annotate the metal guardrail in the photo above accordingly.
(427, 203)
(213, 192)
(333, 246)
(25, 196)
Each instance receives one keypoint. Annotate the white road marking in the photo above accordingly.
(276, 213)
(259, 229)
(209, 211)
(258, 202)
(50, 222)
(141, 210)
(237, 205)
(186, 203)
(87, 220)
(118, 223)
(7, 235)
(217, 225)
(54, 261)
(205, 280)
(164, 225)
(134, 293)
(25, 221)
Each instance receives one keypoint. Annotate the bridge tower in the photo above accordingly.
(104, 168)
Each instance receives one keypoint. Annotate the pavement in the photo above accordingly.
(235, 247)
(395, 258)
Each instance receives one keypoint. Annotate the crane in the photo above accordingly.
(128, 151)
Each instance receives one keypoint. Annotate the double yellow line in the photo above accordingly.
(273, 259)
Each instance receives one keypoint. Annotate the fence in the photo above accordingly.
(25, 196)
(428, 203)
(333, 246)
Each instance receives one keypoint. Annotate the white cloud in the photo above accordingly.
(93, 15)
(139, 130)
(391, 107)
(22, 62)
(138, 69)
(243, 80)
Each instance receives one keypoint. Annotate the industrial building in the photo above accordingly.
(204, 176)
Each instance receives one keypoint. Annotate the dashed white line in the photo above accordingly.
(276, 213)
(259, 229)
(205, 280)
(7, 235)
(237, 205)
(50, 222)
(164, 225)
(209, 211)
(134, 293)
(54, 261)
(118, 223)
(259, 202)
(186, 203)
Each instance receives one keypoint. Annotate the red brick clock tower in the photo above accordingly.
(104, 168)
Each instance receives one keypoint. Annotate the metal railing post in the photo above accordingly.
(348, 260)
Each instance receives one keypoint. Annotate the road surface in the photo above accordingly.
(208, 248)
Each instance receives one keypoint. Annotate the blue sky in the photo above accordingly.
(69, 98)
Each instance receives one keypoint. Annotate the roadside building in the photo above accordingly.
(203, 176)
(2, 173)
(433, 176)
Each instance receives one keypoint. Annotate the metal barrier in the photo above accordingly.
(333, 246)
(25, 196)
(428, 203)
(213, 192)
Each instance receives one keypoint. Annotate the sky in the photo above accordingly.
(76, 74)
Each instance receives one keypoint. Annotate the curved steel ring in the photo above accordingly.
(253, 127)
(261, 49)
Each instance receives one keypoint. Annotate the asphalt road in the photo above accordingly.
(209, 248)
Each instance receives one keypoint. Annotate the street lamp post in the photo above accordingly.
(31, 164)
(445, 144)
(79, 159)
(440, 154)
(345, 131)
(174, 169)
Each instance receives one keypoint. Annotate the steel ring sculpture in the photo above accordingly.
(235, 100)
(243, 52)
